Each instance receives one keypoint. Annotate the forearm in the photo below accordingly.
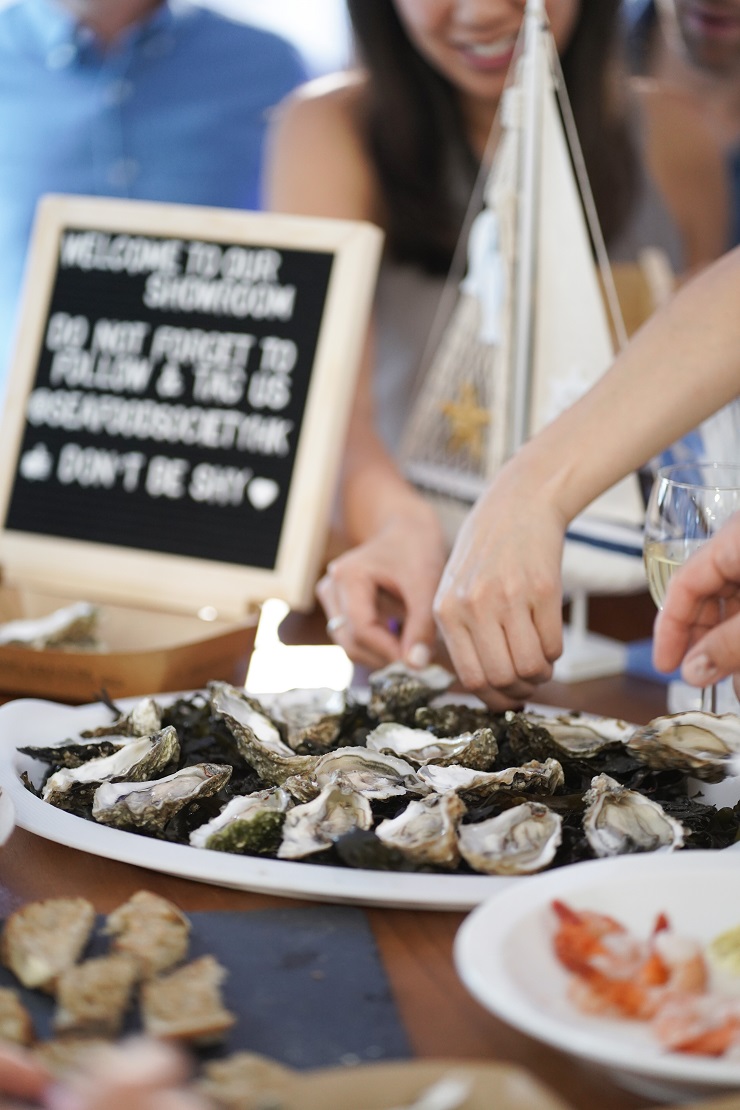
(682, 365)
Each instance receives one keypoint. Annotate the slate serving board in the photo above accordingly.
(307, 986)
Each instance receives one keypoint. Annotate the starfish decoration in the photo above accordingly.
(467, 421)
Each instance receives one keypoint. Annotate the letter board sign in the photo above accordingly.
(179, 400)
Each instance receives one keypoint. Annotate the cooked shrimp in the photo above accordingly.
(701, 1024)
(620, 974)
(583, 937)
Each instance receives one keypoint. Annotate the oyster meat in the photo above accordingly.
(532, 777)
(249, 823)
(375, 775)
(308, 716)
(581, 737)
(150, 805)
(617, 820)
(426, 831)
(704, 745)
(473, 749)
(316, 825)
(518, 841)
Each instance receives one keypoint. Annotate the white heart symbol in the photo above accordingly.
(262, 492)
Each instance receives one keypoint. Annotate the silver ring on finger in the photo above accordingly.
(335, 623)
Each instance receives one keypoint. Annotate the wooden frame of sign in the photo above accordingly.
(179, 400)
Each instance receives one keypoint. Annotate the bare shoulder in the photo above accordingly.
(317, 160)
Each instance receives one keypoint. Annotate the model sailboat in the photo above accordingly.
(531, 330)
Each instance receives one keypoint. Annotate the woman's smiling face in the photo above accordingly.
(471, 42)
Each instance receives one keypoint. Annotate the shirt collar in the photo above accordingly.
(53, 26)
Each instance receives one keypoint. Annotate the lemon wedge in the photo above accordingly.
(724, 952)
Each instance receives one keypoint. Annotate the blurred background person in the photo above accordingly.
(142, 99)
(693, 48)
(399, 141)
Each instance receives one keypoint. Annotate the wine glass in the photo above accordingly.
(688, 503)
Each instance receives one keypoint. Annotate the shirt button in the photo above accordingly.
(61, 55)
(118, 92)
(123, 172)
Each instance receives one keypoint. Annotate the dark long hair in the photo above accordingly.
(416, 138)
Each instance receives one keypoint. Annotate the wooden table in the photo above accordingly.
(442, 1019)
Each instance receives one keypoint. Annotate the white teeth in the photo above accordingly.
(492, 49)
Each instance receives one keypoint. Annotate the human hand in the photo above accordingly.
(700, 619)
(388, 582)
(21, 1076)
(499, 603)
(140, 1072)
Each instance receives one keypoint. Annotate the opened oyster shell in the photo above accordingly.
(396, 691)
(74, 626)
(257, 736)
(317, 824)
(150, 805)
(308, 716)
(249, 823)
(417, 745)
(704, 745)
(73, 787)
(373, 774)
(519, 841)
(617, 821)
(582, 737)
(426, 831)
(144, 718)
(532, 777)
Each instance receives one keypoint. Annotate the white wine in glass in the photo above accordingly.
(688, 503)
(662, 558)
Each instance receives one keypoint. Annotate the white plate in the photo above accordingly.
(28, 721)
(503, 955)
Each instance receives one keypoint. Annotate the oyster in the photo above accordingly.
(73, 753)
(150, 805)
(375, 775)
(316, 825)
(519, 841)
(472, 749)
(249, 823)
(143, 719)
(75, 626)
(72, 787)
(581, 737)
(308, 716)
(257, 736)
(699, 744)
(397, 691)
(532, 777)
(618, 820)
(452, 718)
(426, 831)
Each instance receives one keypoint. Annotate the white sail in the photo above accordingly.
(530, 332)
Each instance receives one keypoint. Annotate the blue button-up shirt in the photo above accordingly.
(176, 110)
